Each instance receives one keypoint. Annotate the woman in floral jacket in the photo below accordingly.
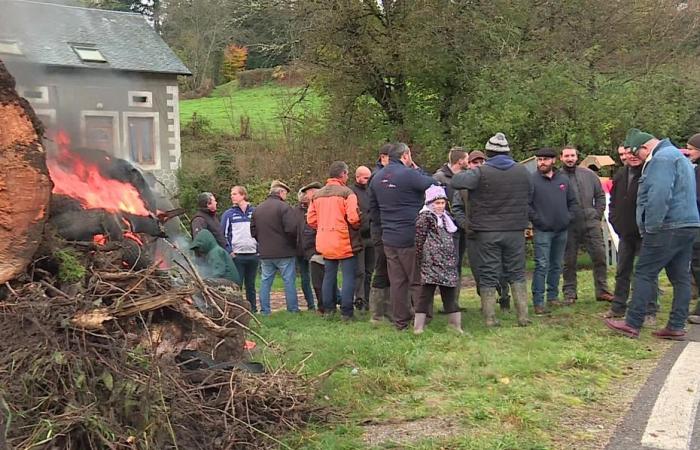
(437, 259)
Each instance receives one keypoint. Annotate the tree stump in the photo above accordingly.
(25, 186)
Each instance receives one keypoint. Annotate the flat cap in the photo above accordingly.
(546, 152)
(279, 184)
(476, 154)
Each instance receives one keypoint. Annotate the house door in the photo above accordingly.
(141, 140)
(99, 133)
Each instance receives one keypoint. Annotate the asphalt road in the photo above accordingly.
(664, 416)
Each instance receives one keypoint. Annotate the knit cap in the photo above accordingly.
(498, 143)
(694, 140)
(636, 138)
(433, 193)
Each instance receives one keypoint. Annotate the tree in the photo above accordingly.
(234, 60)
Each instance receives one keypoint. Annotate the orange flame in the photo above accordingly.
(84, 182)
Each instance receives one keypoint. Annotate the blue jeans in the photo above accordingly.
(672, 250)
(247, 267)
(549, 257)
(303, 265)
(287, 269)
(347, 292)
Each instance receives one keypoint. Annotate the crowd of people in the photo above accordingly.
(398, 234)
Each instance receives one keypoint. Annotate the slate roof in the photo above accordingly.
(45, 33)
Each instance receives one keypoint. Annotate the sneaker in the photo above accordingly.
(673, 335)
(569, 300)
(605, 297)
(620, 326)
(694, 319)
(650, 320)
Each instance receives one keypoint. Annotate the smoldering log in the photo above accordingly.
(25, 186)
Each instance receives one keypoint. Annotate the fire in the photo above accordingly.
(84, 182)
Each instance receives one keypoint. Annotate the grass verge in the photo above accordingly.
(505, 388)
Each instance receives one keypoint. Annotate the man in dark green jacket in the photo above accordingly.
(218, 262)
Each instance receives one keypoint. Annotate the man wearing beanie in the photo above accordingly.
(667, 217)
(622, 215)
(693, 147)
(396, 197)
(499, 193)
(552, 207)
(586, 228)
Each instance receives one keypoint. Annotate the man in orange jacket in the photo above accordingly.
(335, 216)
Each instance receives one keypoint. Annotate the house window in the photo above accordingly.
(36, 94)
(100, 130)
(141, 99)
(89, 54)
(10, 47)
(99, 133)
(47, 117)
(142, 140)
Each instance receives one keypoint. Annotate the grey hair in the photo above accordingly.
(276, 190)
(204, 198)
(398, 150)
(337, 168)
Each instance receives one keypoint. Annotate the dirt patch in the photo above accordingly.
(591, 426)
(408, 432)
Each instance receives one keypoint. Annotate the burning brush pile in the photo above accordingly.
(110, 337)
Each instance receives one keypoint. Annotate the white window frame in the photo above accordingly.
(43, 100)
(126, 154)
(147, 104)
(51, 113)
(10, 47)
(116, 143)
(77, 48)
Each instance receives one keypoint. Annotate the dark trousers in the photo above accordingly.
(590, 235)
(670, 250)
(380, 278)
(500, 253)
(317, 271)
(330, 280)
(247, 266)
(303, 265)
(425, 300)
(363, 279)
(403, 273)
(472, 251)
(695, 268)
(627, 251)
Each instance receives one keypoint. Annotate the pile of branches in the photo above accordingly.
(103, 368)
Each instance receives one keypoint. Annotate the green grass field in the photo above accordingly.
(264, 106)
(504, 388)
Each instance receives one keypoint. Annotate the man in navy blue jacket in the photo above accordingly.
(552, 207)
(396, 196)
(667, 217)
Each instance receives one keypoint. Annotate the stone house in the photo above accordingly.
(105, 77)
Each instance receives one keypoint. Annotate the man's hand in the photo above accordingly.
(529, 233)
(233, 255)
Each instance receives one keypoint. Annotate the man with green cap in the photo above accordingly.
(667, 217)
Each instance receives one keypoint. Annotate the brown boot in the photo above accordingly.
(454, 322)
(488, 306)
(377, 305)
(419, 323)
(519, 292)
